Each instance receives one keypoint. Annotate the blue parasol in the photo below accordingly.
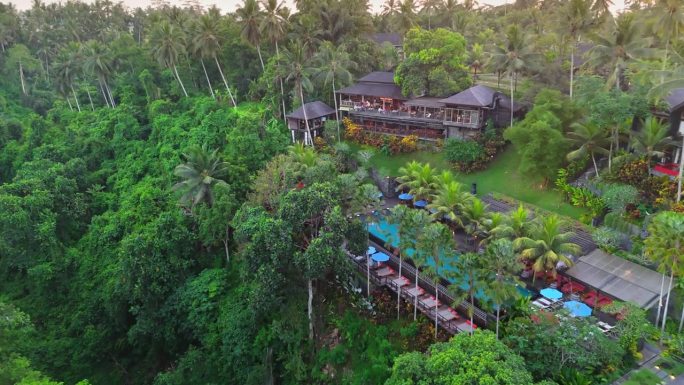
(379, 195)
(405, 196)
(371, 250)
(380, 257)
(420, 203)
(578, 309)
(551, 293)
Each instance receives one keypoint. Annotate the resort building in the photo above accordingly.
(316, 114)
(377, 104)
(394, 39)
(669, 165)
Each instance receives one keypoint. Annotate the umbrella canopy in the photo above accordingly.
(405, 196)
(578, 309)
(380, 257)
(379, 195)
(420, 203)
(371, 250)
(551, 293)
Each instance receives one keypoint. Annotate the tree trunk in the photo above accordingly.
(498, 311)
(667, 301)
(92, 107)
(572, 67)
(399, 289)
(109, 92)
(261, 59)
(69, 101)
(681, 320)
(175, 71)
(472, 308)
(225, 248)
(75, 97)
(21, 76)
(310, 309)
(337, 111)
(660, 299)
(415, 298)
(681, 168)
(593, 158)
(511, 78)
(282, 95)
(610, 156)
(436, 305)
(104, 94)
(208, 81)
(225, 83)
(306, 119)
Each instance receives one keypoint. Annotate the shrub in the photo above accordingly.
(618, 196)
(607, 239)
(463, 154)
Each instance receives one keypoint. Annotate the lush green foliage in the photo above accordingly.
(463, 153)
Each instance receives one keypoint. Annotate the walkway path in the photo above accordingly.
(651, 355)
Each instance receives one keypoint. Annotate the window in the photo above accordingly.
(469, 117)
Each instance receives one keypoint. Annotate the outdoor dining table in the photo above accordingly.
(385, 272)
(414, 291)
(446, 315)
(400, 282)
(429, 302)
(465, 327)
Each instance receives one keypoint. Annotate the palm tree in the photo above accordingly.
(449, 202)
(273, 27)
(438, 242)
(503, 267)
(622, 44)
(575, 20)
(249, 16)
(518, 224)
(98, 61)
(476, 58)
(418, 178)
(670, 21)
(475, 219)
(514, 57)
(64, 70)
(547, 245)
(468, 267)
(168, 45)
(200, 172)
(652, 139)
(406, 15)
(428, 7)
(390, 8)
(602, 7)
(665, 247)
(295, 67)
(591, 139)
(206, 43)
(334, 62)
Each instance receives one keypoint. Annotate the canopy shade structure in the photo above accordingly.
(425, 101)
(379, 90)
(618, 278)
(577, 309)
(314, 110)
(420, 203)
(405, 196)
(371, 250)
(380, 257)
(479, 96)
(551, 293)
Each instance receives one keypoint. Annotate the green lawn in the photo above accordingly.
(671, 366)
(643, 377)
(500, 177)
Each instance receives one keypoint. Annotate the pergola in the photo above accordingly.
(618, 278)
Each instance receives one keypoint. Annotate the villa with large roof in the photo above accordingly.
(377, 104)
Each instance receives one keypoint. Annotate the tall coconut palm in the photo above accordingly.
(547, 245)
(206, 42)
(503, 268)
(274, 28)
(669, 15)
(99, 62)
(517, 224)
(515, 56)
(390, 8)
(418, 178)
(449, 201)
(665, 247)
(652, 140)
(428, 8)
(295, 68)
(622, 44)
(591, 140)
(475, 217)
(574, 21)
(168, 45)
(476, 59)
(469, 270)
(64, 73)
(334, 63)
(406, 16)
(201, 171)
(602, 7)
(438, 242)
(249, 16)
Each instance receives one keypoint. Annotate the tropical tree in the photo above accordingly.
(99, 62)
(390, 8)
(206, 43)
(652, 140)
(502, 267)
(168, 45)
(438, 243)
(249, 16)
(296, 68)
(449, 202)
(201, 170)
(402, 217)
(429, 7)
(602, 7)
(468, 268)
(591, 140)
(669, 16)
(476, 58)
(575, 19)
(334, 63)
(665, 247)
(547, 245)
(475, 217)
(418, 178)
(64, 70)
(514, 57)
(517, 224)
(406, 15)
(619, 46)
(274, 28)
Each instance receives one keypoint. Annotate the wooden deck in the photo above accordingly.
(452, 317)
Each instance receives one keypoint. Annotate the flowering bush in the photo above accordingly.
(388, 144)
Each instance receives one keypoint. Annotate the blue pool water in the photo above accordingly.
(385, 231)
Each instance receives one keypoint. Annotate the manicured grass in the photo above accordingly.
(643, 377)
(500, 177)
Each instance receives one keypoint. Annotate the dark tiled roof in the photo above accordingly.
(392, 38)
(425, 101)
(313, 110)
(378, 77)
(675, 100)
(476, 96)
